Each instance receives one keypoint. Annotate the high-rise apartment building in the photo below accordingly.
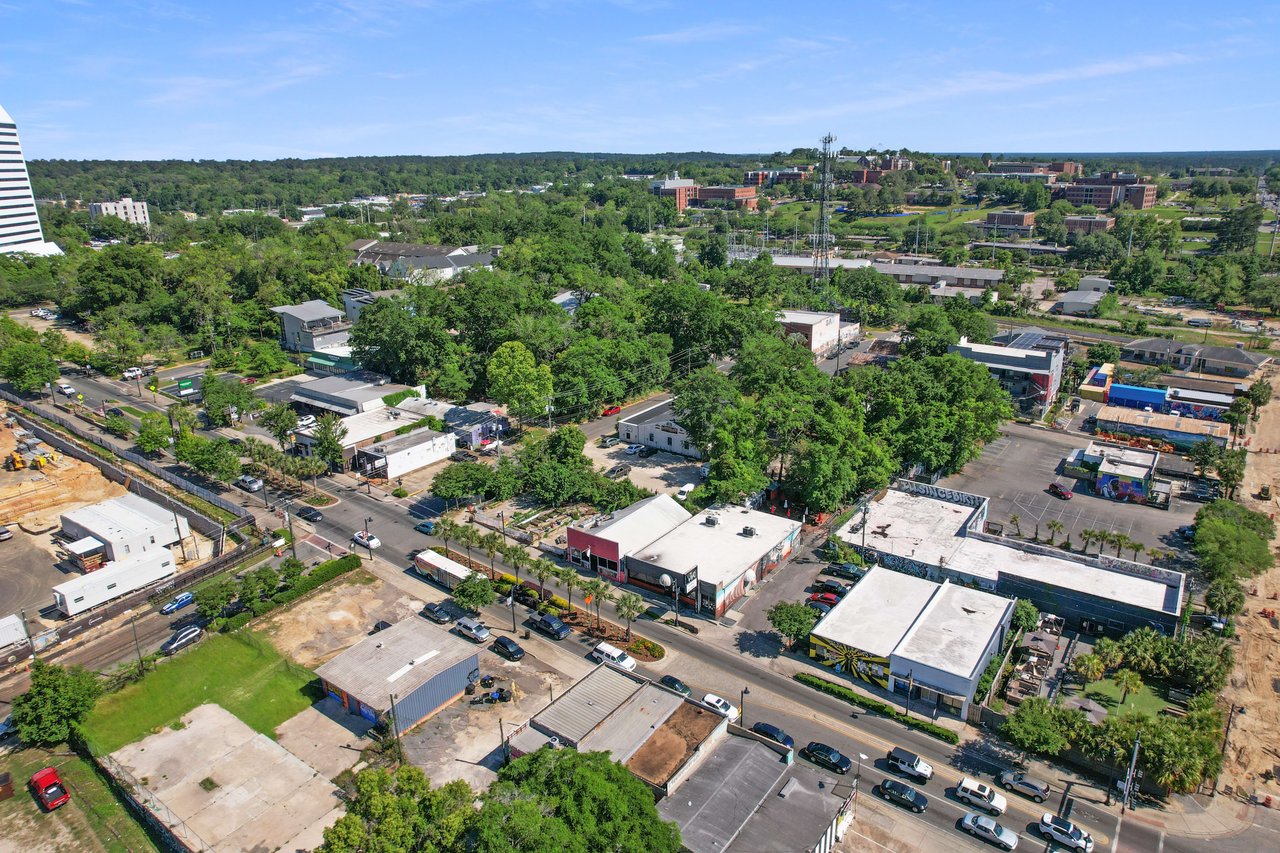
(126, 209)
(19, 222)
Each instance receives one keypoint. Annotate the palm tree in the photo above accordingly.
(1136, 547)
(595, 591)
(447, 529)
(1118, 541)
(572, 580)
(1129, 682)
(490, 542)
(1015, 520)
(1055, 527)
(1154, 554)
(1089, 668)
(629, 606)
(543, 570)
(1109, 652)
(468, 536)
(1088, 536)
(517, 558)
(1143, 649)
(1225, 597)
(182, 417)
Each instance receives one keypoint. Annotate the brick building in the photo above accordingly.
(1090, 224)
(1010, 222)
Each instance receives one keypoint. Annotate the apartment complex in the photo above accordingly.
(19, 222)
(131, 211)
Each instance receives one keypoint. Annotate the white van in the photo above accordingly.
(685, 491)
(606, 653)
(1200, 322)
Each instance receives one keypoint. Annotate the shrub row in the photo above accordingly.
(321, 574)
(647, 648)
(855, 698)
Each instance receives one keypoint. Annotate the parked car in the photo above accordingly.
(774, 733)
(982, 826)
(893, 791)
(427, 526)
(827, 756)
(1066, 833)
(673, 683)
(610, 441)
(66, 390)
(508, 648)
(365, 539)
(437, 613)
(473, 630)
(115, 411)
(614, 656)
(181, 639)
(610, 410)
(983, 796)
(5, 533)
(633, 449)
(821, 606)
(908, 763)
(309, 513)
(306, 421)
(848, 571)
(828, 598)
(1059, 491)
(723, 707)
(1027, 786)
(552, 626)
(178, 602)
(646, 452)
(249, 483)
(247, 380)
(704, 470)
(462, 456)
(617, 472)
(7, 727)
(47, 786)
(834, 587)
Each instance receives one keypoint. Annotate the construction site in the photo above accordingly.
(38, 485)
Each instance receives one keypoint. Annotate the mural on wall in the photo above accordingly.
(1124, 489)
(855, 662)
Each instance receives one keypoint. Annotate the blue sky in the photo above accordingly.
(308, 78)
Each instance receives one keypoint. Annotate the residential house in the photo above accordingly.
(1197, 358)
(417, 262)
(656, 427)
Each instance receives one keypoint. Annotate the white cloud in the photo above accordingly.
(700, 33)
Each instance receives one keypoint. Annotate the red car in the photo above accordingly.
(247, 380)
(1059, 491)
(612, 410)
(828, 598)
(48, 788)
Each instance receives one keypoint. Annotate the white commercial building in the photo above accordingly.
(121, 527)
(126, 209)
(938, 533)
(912, 636)
(820, 329)
(395, 457)
(112, 581)
(19, 221)
(716, 556)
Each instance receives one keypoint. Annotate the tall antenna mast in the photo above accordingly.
(822, 239)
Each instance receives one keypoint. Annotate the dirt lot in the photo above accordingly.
(673, 743)
(312, 631)
(40, 325)
(1255, 683)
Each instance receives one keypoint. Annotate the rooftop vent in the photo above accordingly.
(712, 520)
(748, 531)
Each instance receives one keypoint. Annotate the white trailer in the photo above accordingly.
(439, 568)
(113, 580)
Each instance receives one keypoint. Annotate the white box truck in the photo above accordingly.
(439, 568)
(113, 580)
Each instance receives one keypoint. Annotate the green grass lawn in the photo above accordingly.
(242, 672)
(93, 815)
(1105, 693)
(137, 413)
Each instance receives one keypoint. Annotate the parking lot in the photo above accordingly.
(1015, 471)
(661, 472)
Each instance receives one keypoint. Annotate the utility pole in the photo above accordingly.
(133, 622)
(1128, 780)
(293, 542)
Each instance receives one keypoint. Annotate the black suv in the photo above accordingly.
(848, 571)
(904, 795)
(549, 625)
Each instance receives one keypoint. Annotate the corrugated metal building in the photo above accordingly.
(414, 665)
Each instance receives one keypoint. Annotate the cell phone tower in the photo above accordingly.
(822, 239)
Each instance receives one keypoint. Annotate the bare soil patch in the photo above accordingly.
(671, 745)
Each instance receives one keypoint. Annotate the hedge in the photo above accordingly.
(640, 645)
(321, 574)
(854, 698)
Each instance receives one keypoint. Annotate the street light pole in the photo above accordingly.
(742, 701)
(367, 543)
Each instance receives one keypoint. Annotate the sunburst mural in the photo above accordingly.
(872, 669)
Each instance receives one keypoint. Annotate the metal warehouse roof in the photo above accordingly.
(582, 708)
(397, 660)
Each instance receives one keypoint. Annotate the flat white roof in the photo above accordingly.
(721, 552)
(955, 629)
(930, 531)
(639, 524)
(371, 424)
(878, 612)
(122, 518)
(811, 318)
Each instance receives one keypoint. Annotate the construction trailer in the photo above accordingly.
(117, 578)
